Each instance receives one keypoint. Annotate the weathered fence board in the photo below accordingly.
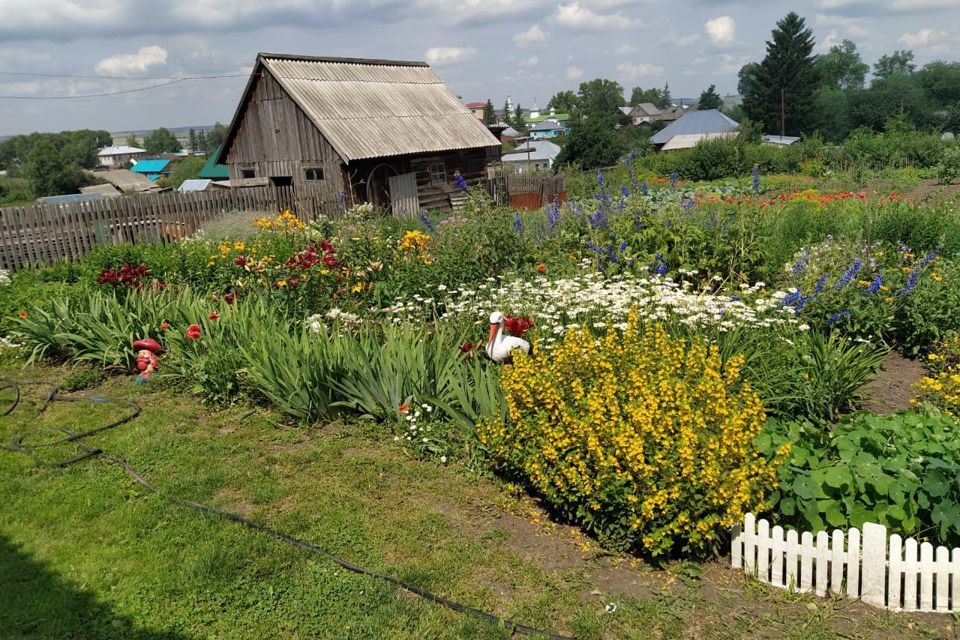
(882, 570)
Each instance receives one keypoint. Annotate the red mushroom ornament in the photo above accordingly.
(148, 351)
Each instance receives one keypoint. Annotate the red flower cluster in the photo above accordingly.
(469, 347)
(519, 325)
(193, 332)
(311, 255)
(126, 275)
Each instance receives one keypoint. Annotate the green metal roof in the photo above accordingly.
(212, 170)
(547, 116)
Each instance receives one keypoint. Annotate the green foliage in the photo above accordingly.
(82, 379)
(710, 99)
(564, 102)
(214, 137)
(161, 141)
(842, 67)
(896, 63)
(48, 171)
(593, 144)
(489, 114)
(185, 169)
(949, 169)
(902, 471)
(785, 81)
(599, 98)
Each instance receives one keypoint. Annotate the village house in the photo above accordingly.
(548, 129)
(386, 132)
(533, 156)
(476, 108)
(692, 127)
(120, 157)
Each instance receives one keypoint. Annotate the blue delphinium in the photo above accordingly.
(756, 179)
(625, 192)
(661, 269)
(600, 182)
(927, 259)
(686, 203)
(875, 284)
(517, 222)
(849, 275)
(342, 199)
(821, 283)
(837, 316)
(460, 181)
(644, 189)
(911, 283)
(426, 221)
(673, 179)
(553, 213)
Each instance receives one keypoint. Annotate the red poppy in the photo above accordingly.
(403, 408)
(193, 332)
(518, 326)
(230, 298)
(23, 314)
(164, 325)
(541, 268)
(214, 315)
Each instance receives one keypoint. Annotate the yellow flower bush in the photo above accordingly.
(416, 243)
(942, 387)
(645, 440)
(285, 221)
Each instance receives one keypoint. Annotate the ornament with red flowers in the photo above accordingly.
(499, 347)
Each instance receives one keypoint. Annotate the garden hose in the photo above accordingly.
(21, 443)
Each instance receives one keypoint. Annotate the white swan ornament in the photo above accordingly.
(500, 347)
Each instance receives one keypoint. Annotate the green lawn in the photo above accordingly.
(86, 553)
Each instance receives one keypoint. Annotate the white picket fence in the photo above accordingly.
(884, 571)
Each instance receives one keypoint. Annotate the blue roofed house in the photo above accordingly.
(692, 127)
(548, 129)
(152, 168)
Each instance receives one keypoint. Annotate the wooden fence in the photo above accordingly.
(43, 234)
(884, 571)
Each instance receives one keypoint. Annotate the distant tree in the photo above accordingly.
(898, 62)
(592, 143)
(185, 169)
(132, 141)
(781, 88)
(202, 143)
(666, 100)
(192, 141)
(215, 137)
(941, 82)
(842, 67)
(507, 115)
(600, 97)
(640, 95)
(518, 122)
(832, 113)
(747, 78)
(710, 99)
(563, 102)
(161, 141)
(489, 113)
(899, 93)
(48, 174)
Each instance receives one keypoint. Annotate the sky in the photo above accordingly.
(527, 49)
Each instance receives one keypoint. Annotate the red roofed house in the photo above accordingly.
(476, 108)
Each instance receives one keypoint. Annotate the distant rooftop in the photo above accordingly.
(150, 166)
(119, 151)
(696, 122)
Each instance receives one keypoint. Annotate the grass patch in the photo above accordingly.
(85, 553)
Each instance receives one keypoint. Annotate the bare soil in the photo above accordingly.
(892, 389)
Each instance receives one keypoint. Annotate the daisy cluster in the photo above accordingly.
(591, 299)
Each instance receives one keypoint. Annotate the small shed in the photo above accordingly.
(387, 132)
(152, 168)
(196, 184)
(535, 155)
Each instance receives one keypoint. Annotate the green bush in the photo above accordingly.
(901, 471)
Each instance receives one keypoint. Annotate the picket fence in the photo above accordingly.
(885, 571)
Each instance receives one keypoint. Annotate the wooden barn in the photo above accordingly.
(382, 131)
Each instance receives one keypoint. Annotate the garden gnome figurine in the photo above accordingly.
(147, 351)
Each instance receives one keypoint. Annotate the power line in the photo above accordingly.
(31, 74)
(124, 91)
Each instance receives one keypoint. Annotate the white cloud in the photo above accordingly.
(674, 38)
(575, 16)
(533, 35)
(922, 38)
(625, 50)
(532, 61)
(730, 64)
(574, 73)
(886, 6)
(132, 64)
(449, 55)
(721, 30)
(639, 70)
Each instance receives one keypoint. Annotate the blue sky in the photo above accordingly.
(528, 49)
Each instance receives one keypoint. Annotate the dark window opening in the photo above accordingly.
(438, 173)
(248, 173)
(281, 181)
(313, 173)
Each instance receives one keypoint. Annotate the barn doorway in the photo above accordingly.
(378, 186)
(283, 193)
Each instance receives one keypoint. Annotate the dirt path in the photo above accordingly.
(892, 389)
(931, 192)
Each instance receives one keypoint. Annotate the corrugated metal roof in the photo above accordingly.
(196, 184)
(370, 109)
(121, 150)
(150, 166)
(690, 140)
(71, 197)
(539, 150)
(213, 170)
(695, 122)
(548, 125)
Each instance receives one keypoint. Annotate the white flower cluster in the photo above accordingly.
(4, 277)
(559, 305)
(316, 322)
